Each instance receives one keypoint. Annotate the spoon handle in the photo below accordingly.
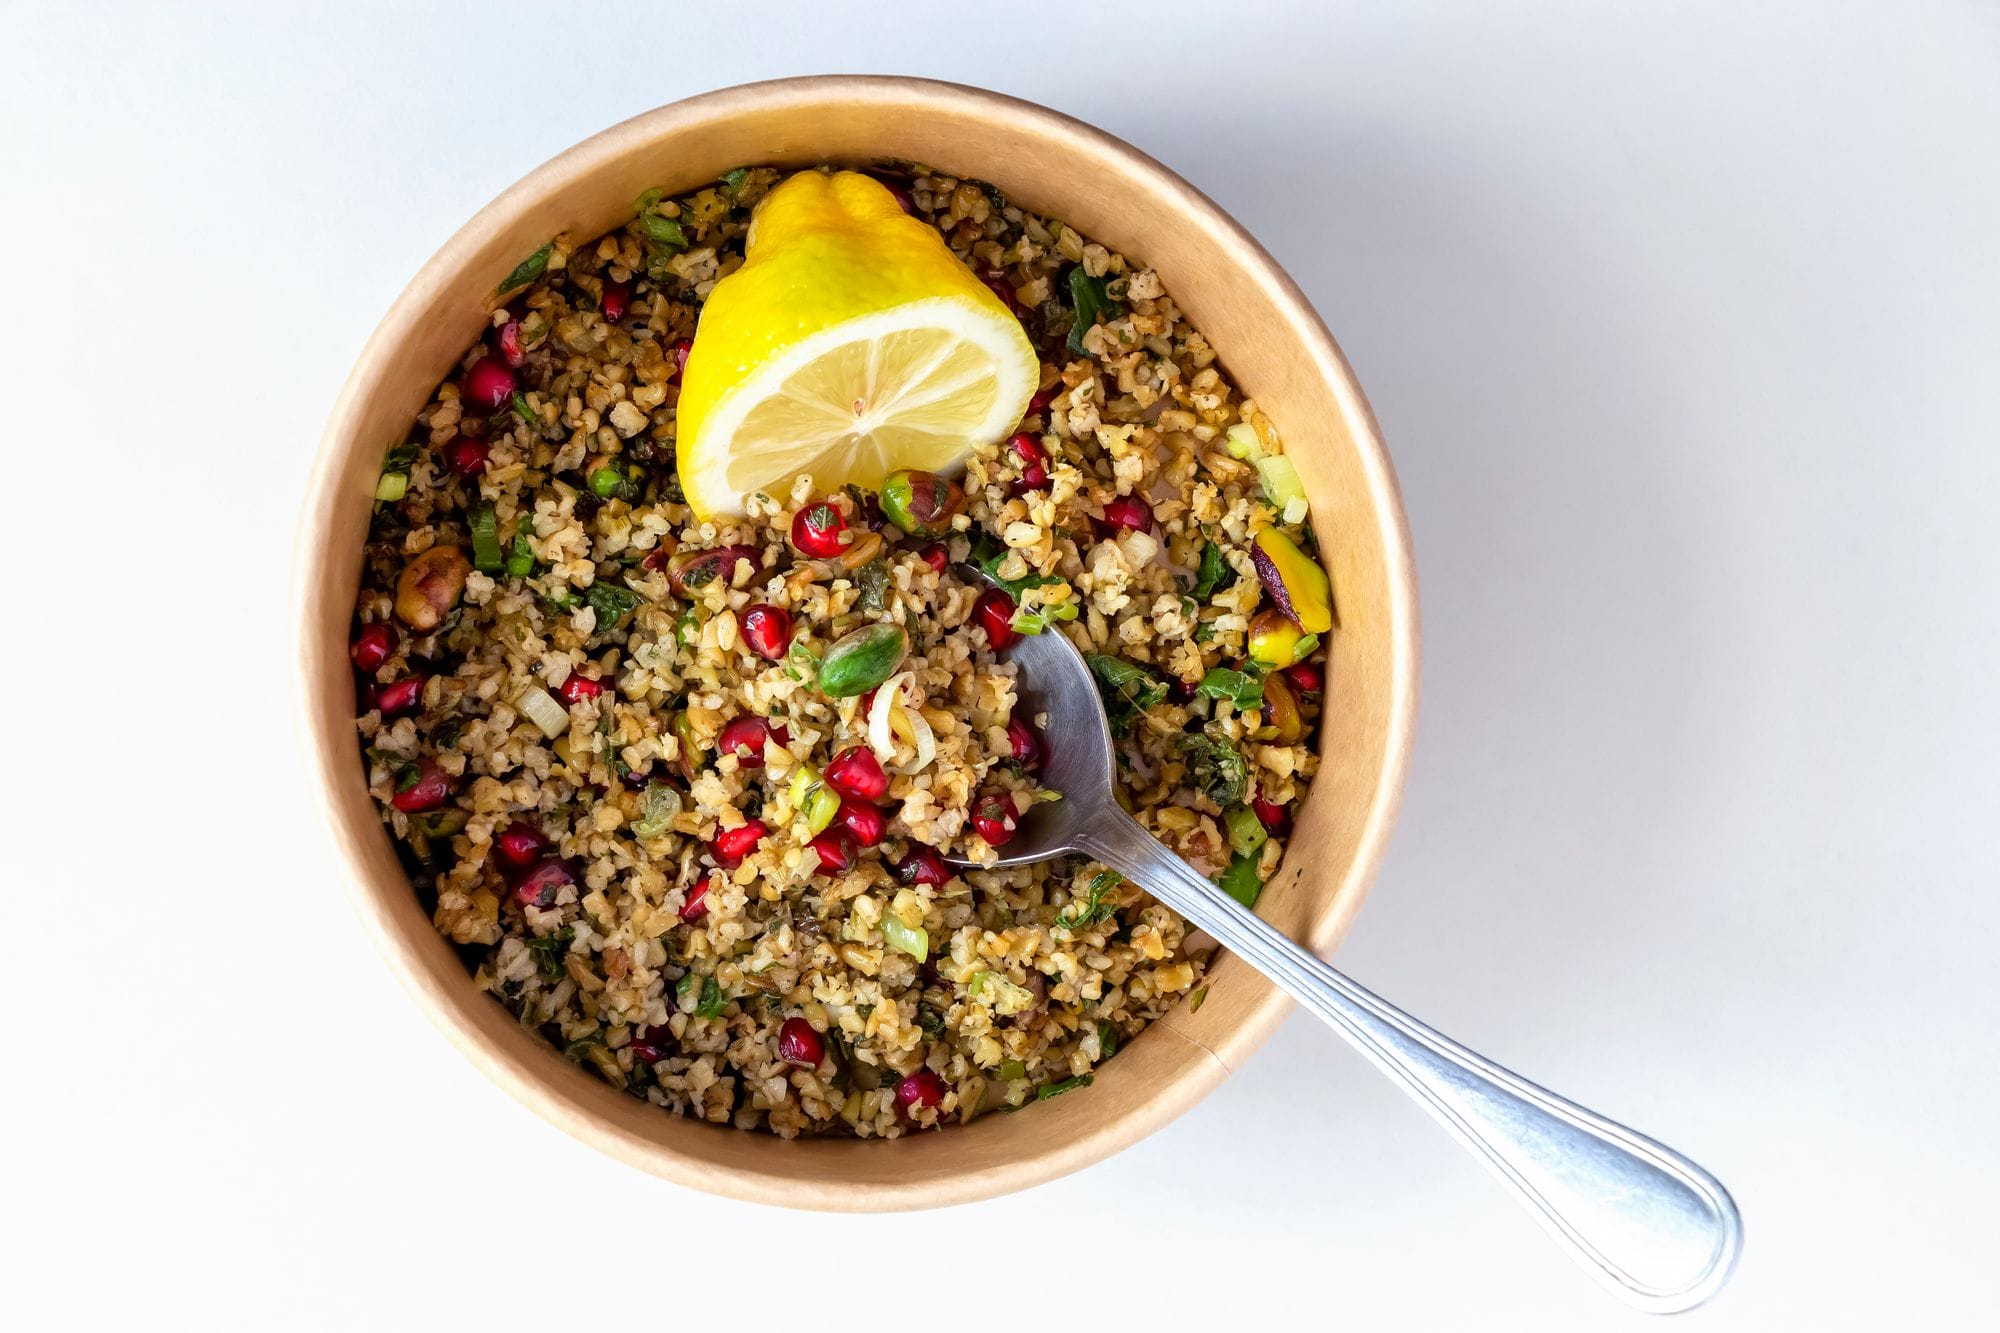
(1652, 1226)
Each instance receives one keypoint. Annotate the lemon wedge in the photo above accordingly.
(850, 344)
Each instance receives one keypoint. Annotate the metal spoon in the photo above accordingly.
(1652, 1226)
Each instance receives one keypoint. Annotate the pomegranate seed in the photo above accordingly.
(934, 556)
(1182, 690)
(856, 772)
(920, 1090)
(510, 343)
(1307, 676)
(1025, 745)
(1271, 815)
(617, 297)
(868, 702)
(818, 528)
(427, 791)
(1043, 397)
(401, 696)
(579, 687)
(799, 1045)
(537, 887)
(994, 613)
(486, 387)
(993, 818)
(745, 738)
(768, 631)
(372, 646)
(923, 865)
(466, 456)
(996, 282)
(519, 843)
(680, 349)
(1129, 511)
(865, 822)
(696, 906)
(652, 1045)
(903, 196)
(836, 851)
(1034, 463)
(731, 845)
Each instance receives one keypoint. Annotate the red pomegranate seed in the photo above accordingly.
(768, 631)
(652, 1045)
(519, 843)
(993, 818)
(425, 790)
(617, 298)
(923, 865)
(1182, 690)
(466, 456)
(731, 845)
(1307, 676)
(510, 343)
(856, 772)
(486, 387)
(996, 282)
(920, 1090)
(818, 528)
(537, 887)
(680, 349)
(1272, 816)
(934, 556)
(1024, 744)
(696, 906)
(1043, 397)
(744, 737)
(1129, 511)
(799, 1045)
(373, 645)
(868, 703)
(835, 848)
(1034, 463)
(400, 696)
(994, 613)
(865, 822)
(578, 687)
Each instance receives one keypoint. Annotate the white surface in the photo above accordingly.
(1681, 324)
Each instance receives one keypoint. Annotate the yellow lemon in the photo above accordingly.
(851, 343)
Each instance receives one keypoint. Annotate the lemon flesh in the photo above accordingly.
(850, 344)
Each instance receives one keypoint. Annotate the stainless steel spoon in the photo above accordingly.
(1649, 1224)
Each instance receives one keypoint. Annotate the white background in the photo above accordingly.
(1681, 323)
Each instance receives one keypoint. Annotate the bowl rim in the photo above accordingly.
(326, 755)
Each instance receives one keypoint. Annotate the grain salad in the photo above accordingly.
(692, 798)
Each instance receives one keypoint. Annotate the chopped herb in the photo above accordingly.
(1242, 688)
(1128, 689)
(399, 458)
(732, 181)
(801, 662)
(549, 951)
(644, 203)
(1215, 769)
(1096, 906)
(521, 556)
(1088, 297)
(1214, 573)
(612, 604)
(523, 411)
(1107, 1041)
(930, 1021)
(1048, 1090)
(687, 629)
(408, 776)
(576, 1048)
(1204, 631)
(528, 269)
(989, 555)
(663, 232)
(486, 554)
(562, 601)
(1240, 880)
(713, 1001)
(873, 581)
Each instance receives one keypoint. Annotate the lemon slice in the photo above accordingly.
(850, 344)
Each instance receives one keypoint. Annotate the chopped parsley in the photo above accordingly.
(873, 581)
(1091, 301)
(1213, 574)
(1128, 689)
(1215, 769)
(1245, 689)
(612, 604)
(528, 269)
(1096, 906)
(1048, 1090)
(549, 951)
